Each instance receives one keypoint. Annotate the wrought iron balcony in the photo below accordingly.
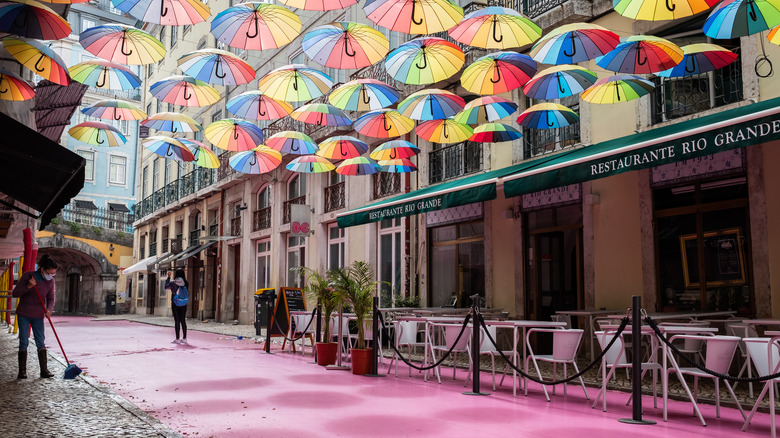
(99, 217)
(118, 94)
(224, 167)
(386, 184)
(261, 219)
(235, 226)
(286, 214)
(334, 197)
(454, 161)
(187, 184)
(545, 141)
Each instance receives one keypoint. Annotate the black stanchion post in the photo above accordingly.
(270, 303)
(476, 317)
(636, 363)
(318, 336)
(375, 342)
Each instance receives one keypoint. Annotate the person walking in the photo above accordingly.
(180, 295)
(30, 313)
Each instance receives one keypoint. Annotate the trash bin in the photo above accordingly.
(264, 299)
(110, 304)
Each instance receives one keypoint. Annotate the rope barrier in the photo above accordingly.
(303, 333)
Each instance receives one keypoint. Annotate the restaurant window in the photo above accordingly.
(117, 169)
(457, 264)
(296, 257)
(390, 256)
(263, 264)
(336, 246)
(89, 167)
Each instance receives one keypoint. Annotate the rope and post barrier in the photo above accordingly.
(636, 363)
(269, 305)
(375, 342)
(475, 332)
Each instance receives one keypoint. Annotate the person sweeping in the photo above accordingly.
(30, 313)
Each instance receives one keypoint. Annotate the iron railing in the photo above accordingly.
(152, 249)
(119, 94)
(235, 226)
(224, 167)
(187, 184)
(194, 236)
(386, 184)
(454, 161)
(165, 245)
(334, 197)
(214, 230)
(99, 217)
(261, 219)
(286, 214)
(544, 141)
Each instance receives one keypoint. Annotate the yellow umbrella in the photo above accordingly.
(39, 58)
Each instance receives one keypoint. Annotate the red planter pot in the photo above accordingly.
(361, 361)
(326, 353)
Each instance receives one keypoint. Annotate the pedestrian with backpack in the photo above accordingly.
(180, 295)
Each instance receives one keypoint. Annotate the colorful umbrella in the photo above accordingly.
(774, 35)
(414, 16)
(295, 83)
(547, 116)
(495, 27)
(573, 43)
(13, 87)
(257, 106)
(399, 165)
(559, 81)
(345, 44)
(444, 131)
(486, 109)
(184, 91)
(357, 166)
(700, 58)
(394, 149)
(216, 67)
(342, 147)
(97, 133)
(30, 19)
(495, 133)
(167, 147)
(642, 54)
(165, 12)
(172, 122)
(115, 110)
(38, 58)
(204, 157)
(292, 142)
(498, 73)
(363, 95)
(108, 75)
(424, 60)
(123, 44)
(322, 114)
(234, 135)
(310, 164)
(318, 5)
(432, 104)
(259, 160)
(619, 88)
(385, 123)
(256, 26)
(738, 18)
(659, 10)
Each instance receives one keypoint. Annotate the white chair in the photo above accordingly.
(765, 354)
(301, 327)
(688, 345)
(487, 347)
(565, 345)
(449, 338)
(406, 334)
(334, 335)
(741, 330)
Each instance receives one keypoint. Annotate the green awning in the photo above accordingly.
(732, 129)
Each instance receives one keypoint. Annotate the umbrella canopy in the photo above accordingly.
(165, 12)
(310, 164)
(399, 165)
(168, 147)
(547, 116)
(345, 45)
(342, 147)
(184, 91)
(618, 88)
(738, 18)
(108, 75)
(257, 106)
(642, 54)
(414, 16)
(259, 160)
(486, 109)
(498, 73)
(573, 43)
(216, 67)
(172, 122)
(559, 81)
(318, 5)
(295, 83)
(424, 60)
(14, 88)
(700, 58)
(38, 58)
(433, 104)
(357, 166)
(495, 133)
(234, 135)
(774, 35)
(658, 10)
(292, 142)
(363, 95)
(256, 26)
(204, 157)
(31, 19)
(123, 44)
(394, 149)
(495, 27)
(322, 114)
(98, 134)
(444, 131)
(385, 123)
(115, 110)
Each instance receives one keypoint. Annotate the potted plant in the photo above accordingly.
(318, 288)
(355, 284)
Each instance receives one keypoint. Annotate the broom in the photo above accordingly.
(71, 371)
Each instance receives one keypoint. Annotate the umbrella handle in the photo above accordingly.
(341, 146)
(186, 97)
(393, 153)
(38, 62)
(752, 13)
(23, 25)
(495, 28)
(550, 124)
(444, 130)
(425, 61)
(366, 97)
(639, 52)
(6, 90)
(692, 60)
(97, 137)
(319, 122)
(235, 132)
(103, 81)
(414, 3)
(163, 9)
(387, 127)
(295, 81)
(294, 147)
(256, 29)
(573, 47)
(169, 152)
(670, 8)
(117, 117)
(216, 69)
(122, 48)
(260, 112)
(346, 45)
(498, 76)
(174, 131)
(617, 91)
(560, 84)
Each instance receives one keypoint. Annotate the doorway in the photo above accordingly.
(151, 296)
(74, 280)
(236, 280)
(457, 264)
(196, 282)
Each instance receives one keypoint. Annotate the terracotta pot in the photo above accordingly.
(326, 353)
(361, 361)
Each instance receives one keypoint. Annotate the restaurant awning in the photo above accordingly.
(142, 266)
(118, 207)
(187, 254)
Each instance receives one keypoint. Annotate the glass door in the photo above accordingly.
(457, 264)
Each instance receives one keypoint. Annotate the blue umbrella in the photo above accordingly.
(167, 147)
(433, 104)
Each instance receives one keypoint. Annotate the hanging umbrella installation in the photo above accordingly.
(559, 81)
(292, 142)
(495, 133)
(172, 122)
(14, 88)
(259, 160)
(295, 83)
(255, 105)
(318, 5)
(97, 134)
(659, 10)
(169, 148)
(414, 16)
(38, 58)
(165, 12)
(774, 35)
(547, 116)
(399, 165)
(642, 54)
(424, 60)
(385, 123)
(345, 45)
(700, 58)
(363, 95)
(433, 104)
(184, 91)
(31, 19)
(495, 27)
(574, 43)
(321, 114)
(256, 26)
(203, 156)
(342, 147)
(107, 75)
(618, 88)
(234, 135)
(357, 166)
(486, 109)
(498, 72)
(444, 131)
(216, 67)
(115, 110)
(123, 44)
(310, 164)
(738, 18)
(394, 149)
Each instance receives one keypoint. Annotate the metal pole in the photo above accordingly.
(476, 330)
(270, 304)
(375, 343)
(338, 365)
(636, 362)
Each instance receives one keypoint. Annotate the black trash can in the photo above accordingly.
(264, 299)
(110, 304)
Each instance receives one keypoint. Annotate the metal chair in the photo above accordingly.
(765, 354)
(564, 351)
(449, 337)
(300, 327)
(406, 334)
(741, 330)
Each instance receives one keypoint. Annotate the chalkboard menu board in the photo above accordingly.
(290, 299)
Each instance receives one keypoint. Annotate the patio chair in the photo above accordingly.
(299, 328)
(737, 328)
(688, 345)
(449, 338)
(765, 354)
(406, 334)
(487, 348)
(334, 335)
(564, 351)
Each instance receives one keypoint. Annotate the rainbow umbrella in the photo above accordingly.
(172, 122)
(318, 5)
(342, 147)
(38, 58)
(97, 133)
(444, 131)
(495, 133)
(738, 18)
(14, 88)
(321, 114)
(414, 16)
(216, 67)
(394, 149)
(167, 147)
(547, 116)
(234, 135)
(424, 60)
(292, 142)
(184, 91)
(31, 19)
(495, 27)
(498, 73)
(559, 81)
(123, 44)
(486, 109)
(165, 12)
(384, 123)
(310, 164)
(108, 75)
(773, 36)
(399, 165)
(203, 156)
(357, 166)
(256, 26)
(642, 54)
(659, 10)
(573, 43)
(363, 95)
(257, 106)
(344, 44)
(431, 104)
(115, 110)
(700, 58)
(258, 160)
(619, 88)
(295, 83)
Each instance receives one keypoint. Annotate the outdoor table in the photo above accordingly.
(690, 315)
(589, 331)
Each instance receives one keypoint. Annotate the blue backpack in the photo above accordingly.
(182, 296)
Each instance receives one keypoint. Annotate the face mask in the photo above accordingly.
(48, 277)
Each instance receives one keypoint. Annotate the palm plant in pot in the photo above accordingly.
(355, 284)
(318, 288)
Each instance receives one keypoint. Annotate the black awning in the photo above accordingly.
(86, 205)
(196, 250)
(118, 207)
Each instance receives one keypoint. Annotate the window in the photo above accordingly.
(174, 35)
(168, 171)
(216, 116)
(297, 187)
(123, 126)
(117, 168)
(162, 36)
(149, 70)
(296, 251)
(114, 10)
(159, 106)
(89, 168)
(298, 58)
(145, 182)
(186, 29)
(87, 23)
(171, 108)
(149, 109)
(263, 265)
(155, 173)
(390, 268)
(335, 246)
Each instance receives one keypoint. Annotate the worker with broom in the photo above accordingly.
(30, 313)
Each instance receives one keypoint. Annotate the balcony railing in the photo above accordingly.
(455, 161)
(334, 197)
(286, 215)
(224, 167)
(386, 184)
(545, 141)
(235, 226)
(117, 94)
(173, 191)
(99, 217)
(261, 219)
(152, 249)
(165, 245)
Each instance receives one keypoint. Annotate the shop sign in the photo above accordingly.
(552, 197)
(300, 220)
